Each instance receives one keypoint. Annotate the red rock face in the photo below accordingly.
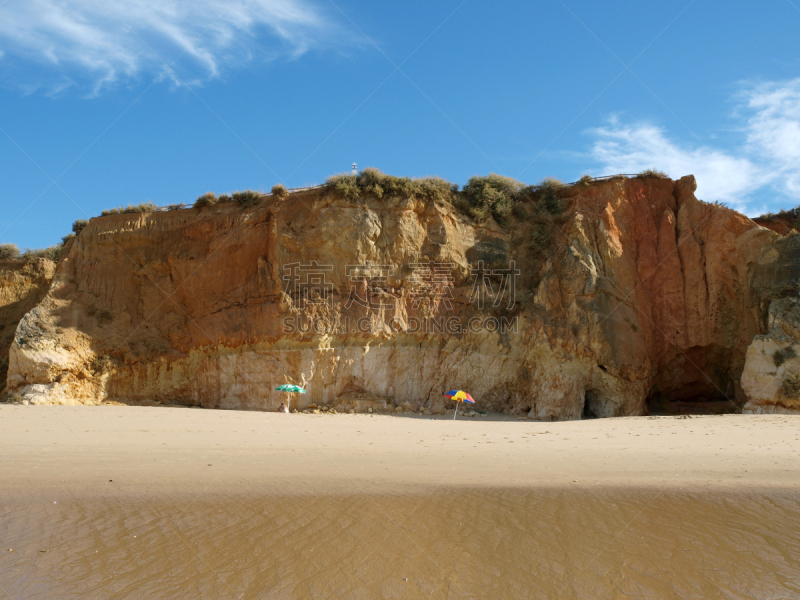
(643, 294)
(783, 223)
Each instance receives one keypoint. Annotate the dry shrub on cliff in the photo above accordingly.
(781, 355)
(207, 199)
(652, 173)
(279, 190)
(79, 225)
(247, 199)
(373, 182)
(790, 217)
(144, 207)
(50, 253)
(791, 385)
(585, 181)
(9, 252)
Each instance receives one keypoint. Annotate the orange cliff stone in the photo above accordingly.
(644, 297)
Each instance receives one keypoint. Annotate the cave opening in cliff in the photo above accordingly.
(591, 408)
(709, 402)
(699, 381)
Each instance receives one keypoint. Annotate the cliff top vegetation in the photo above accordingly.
(483, 197)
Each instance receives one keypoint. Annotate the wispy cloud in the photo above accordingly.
(106, 41)
(773, 131)
(634, 148)
(767, 159)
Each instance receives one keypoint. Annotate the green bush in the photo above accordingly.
(791, 385)
(9, 251)
(224, 198)
(207, 199)
(342, 186)
(548, 193)
(79, 225)
(372, 182)
(66, 238)
(650, 173)
(279, 190)
(492, 195)
(110, 211)
(433, 188)
(781, 355)
(247, 199)
(543, 209)
(585, 180)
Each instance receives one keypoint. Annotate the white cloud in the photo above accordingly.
(634, 148)
(110, 40)
(773, 130)
(767, 160)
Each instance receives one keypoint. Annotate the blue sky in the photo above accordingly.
(120, 101)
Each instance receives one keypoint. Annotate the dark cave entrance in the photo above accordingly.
(697, 381)
(709, 403)
(592, 408)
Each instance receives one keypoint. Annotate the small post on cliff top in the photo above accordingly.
(355, 169)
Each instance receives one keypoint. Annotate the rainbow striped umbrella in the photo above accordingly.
(459, 396)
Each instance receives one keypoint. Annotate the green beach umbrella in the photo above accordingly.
(291, 389)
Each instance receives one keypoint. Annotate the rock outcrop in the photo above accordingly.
(771, 378)
(23, 284)
(644, 297)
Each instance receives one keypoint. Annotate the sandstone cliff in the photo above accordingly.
(643, 297)
(770, 380)
(23, 284)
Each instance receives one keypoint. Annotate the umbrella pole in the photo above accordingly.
(455, 413)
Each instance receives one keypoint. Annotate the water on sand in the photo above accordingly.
(487, 543)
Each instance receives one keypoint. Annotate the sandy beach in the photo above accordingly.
(135, 502)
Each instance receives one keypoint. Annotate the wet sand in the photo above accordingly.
(126, 502)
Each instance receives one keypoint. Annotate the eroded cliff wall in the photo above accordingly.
(23, 284)
(644, 295)
(771, 379)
